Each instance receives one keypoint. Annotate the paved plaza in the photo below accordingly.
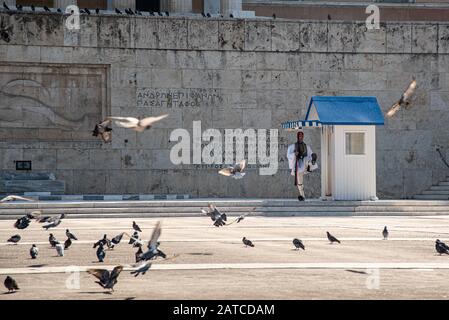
(206, 262)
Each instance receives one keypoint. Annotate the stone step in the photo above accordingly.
(21, 186)
(444, 183)
(440, 187)
(436, 192)
(431, 197)
(27, 176)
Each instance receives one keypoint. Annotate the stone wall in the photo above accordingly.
(226, 73)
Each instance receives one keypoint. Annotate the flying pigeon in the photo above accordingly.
(34, 215)
(107, 280)
(141, 269)
(138, 125)
(52, 240)
(215, 215)
(14, 239)
(11, 284)
(103, 130)
(67, 243)
(34, 251)
(404, 101)
(385, 233)
(105, 242)
(15, 198)
(331, 238)
(134, 238)
(153, 251)
(22, 223)
(54, 222)
(298, 244)
(60, 249)
(235, 171)
(70, 235)
(138, 254)
(247, 242)
(441, 247)
(136, 227)
(116, 240)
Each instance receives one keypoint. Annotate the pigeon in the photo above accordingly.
(235, 171)
(167, 13)
(60, 249)
(136, 227)
(107, 280)
(329, 17)
(34, 215)
(11, 284)
(55, 222)
(47, 9)
(87, 11)
(116, 240)
(331, 238)
(203, 14)
(231, 16)
(298, 244)
(104, 242)
(160, 14)
(118, 11)
(52, 240)
(441, 247)
(274, 15)
(208, 15)
(67, 243)
(19, 7)
(82, 11)
(59, 10)
(22, 223)
(153, 251)
(247, 242)
(33, 8)
(404, 101)
(134, 238)
(215, 215)
(34, 251)
(138, 254)
(142, 269)
(151, 13)
(138, 125)
(103, 130)
(101, 254)
(15, 198)
(97, 11)
(385, 233)
(240, 218)
(5, 6)
(14, 239)
(70, 235)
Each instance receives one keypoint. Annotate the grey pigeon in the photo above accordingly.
(67, 243)
(138, 254)
(5, 6)
(14, 239)
(101, 254)
(118, 11)
(104, 242)
(298, 244)
(59, 249)
(247, 242)
(142, 269)
(47, 9)
(54, 222)
(116, 240)
(331, 238)
(153, 250)
(385, 233)
(134, 238)
(136, 227)
(11, 284)
(107, 280)
(441, 247)
(215, 215)
(103, 130)
(70, 235)
(34, 251)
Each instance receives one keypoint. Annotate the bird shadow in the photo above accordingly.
(199, 253)
(97, 292)
(37, 266)
(10, 292)
(356, 271)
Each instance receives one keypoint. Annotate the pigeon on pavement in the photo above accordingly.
(34, 251)
(331, 238)
(11, 284)
(298, 244)
(247, 242)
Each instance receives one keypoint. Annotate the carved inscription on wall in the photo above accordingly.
(51, 102)
(178, 98)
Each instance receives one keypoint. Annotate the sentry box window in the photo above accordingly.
(23, 165)
(355, 143)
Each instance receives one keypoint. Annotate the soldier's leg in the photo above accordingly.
(300, 179)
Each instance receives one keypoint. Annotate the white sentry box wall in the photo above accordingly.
(352, 176)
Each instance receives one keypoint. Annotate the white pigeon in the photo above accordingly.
(60, 249)
(139, 125)
(15, 198)
(235, 171)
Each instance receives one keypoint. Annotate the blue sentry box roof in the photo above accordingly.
(347, 110)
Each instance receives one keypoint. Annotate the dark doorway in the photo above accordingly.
(148, 5)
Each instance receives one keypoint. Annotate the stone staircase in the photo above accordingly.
(232, 207)
(438, 192)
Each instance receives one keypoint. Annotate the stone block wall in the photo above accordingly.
(228, 73)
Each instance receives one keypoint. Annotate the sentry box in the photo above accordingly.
(348, 144)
